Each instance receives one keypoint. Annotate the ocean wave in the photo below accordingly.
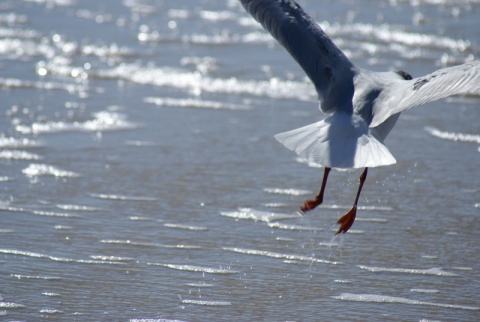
(194, 268)
(430, 271)
(452, 136)
(197, 82)
(185, 227)
(18, 155)
(193, 103)
(16, 143)
(289, 191)
(257, 215)
(207, 303)
(375, 298)
(101, 122)
(34, 170)
(55, 258)
(121, 197)
(11, 83)
(278, 255)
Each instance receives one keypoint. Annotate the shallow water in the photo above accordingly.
(140, 181)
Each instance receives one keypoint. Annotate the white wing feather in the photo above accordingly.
(461, 79)
(338, 141)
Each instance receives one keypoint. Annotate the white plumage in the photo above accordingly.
(362, 106)
(341, 141)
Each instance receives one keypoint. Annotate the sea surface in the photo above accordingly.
(140, 180)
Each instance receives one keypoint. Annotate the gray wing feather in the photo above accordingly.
(461, 79)
(303, 38)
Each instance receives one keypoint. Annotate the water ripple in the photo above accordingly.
(198, 83)
(185, 227)
(393, 299)
(55, 258)
(102, 121)
(207, 303)
(36, 277)
(50, 311)
(386, 34)
(154, 320)
(193, 268)
(15, 143)
(77, 208)
(430, 271)
(452, 136)
(8, 305)
(35, 169)
(55, 214)
(122, 197)
(291, 192)
(278, 255)
(293, 227)
(18, 155)
(194, 103)
(257, 215)
(12, 83)
(133, 243)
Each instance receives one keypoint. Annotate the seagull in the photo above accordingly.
(362, 106)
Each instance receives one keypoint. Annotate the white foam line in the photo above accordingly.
(55, 214)
(292, 227)
(369, 208)
(291, 192)
(199, 285)
(185, 227)
(154, 320)
(111, 258)
(257, 215)
(18, 155)
(101, 122)
(77, 207)
(278, 255)
(50, 311)
(382, 220)
(9, 305)
(14, 143)
(207, 303)
(423, 290)
(198, 83)
(133, 243)
(48, 278)
(393, 299)
(121, 197)
(36, 169)
(452, 136)
(54, 258)
(430, 271)
(193, 268)
(193, 103)
(19, 83)
(385, 33)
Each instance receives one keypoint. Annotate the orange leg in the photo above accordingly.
(311, 204)
(346, 221)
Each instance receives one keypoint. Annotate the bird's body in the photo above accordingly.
(362, 106)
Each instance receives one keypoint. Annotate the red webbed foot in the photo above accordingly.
(346, 221)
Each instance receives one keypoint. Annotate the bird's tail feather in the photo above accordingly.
(339, 141)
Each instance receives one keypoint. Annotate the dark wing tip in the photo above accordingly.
(404, 74)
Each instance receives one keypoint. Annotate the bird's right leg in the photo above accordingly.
(311, 204)
(346, 221)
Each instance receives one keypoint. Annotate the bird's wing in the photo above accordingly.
(306, 42)
(461, 79)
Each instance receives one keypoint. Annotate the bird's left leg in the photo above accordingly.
(311, 204)
(346, 221)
